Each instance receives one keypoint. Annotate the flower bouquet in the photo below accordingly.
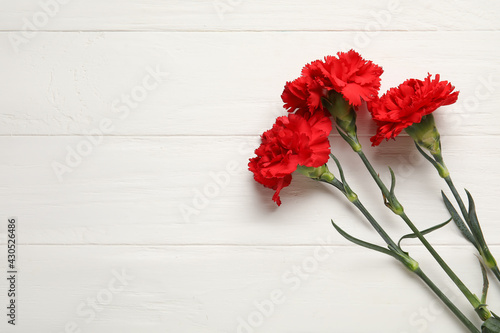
(328, 94)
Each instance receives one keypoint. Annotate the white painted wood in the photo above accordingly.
(197, 190)
(208, 288)
(120, 206)
(221, 83)
(237, 15)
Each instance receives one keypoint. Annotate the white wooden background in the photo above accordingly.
(117, 209)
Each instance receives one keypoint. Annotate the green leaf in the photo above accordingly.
(427, 157)
(486, 283)
(424, 232)
(458, 220)
(346, 189)
(344, 135)
(496, 272)
(361, 242)
(393, 182)
(341, 171)
(474, 226)
(478, 235)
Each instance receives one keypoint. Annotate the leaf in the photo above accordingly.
(362, 243)
(344, 135)
(486, 283)
(393, 182)
(341, 171)
(427, 157)
(496, 272)
(474, 226)
(458, 220)
(424, 232)
(478, 235)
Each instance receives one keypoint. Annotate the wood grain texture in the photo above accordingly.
(197, 190)
(214, 289)
(125, 131)
(237, 15)
(221, 83)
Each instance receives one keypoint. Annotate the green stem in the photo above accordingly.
(480, 242)
(468, 294)
(473, 299)
(447, 301)
(357, 203)
(388, 240)
(457, 197)
(418, 271)
(374, 223)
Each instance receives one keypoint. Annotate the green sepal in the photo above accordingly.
(318, 173)
(344, 116)
(425, 134)
(424, 232)
(338, 107)
(458, 221)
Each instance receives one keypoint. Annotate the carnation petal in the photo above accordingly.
(406, 104)
(293, 140)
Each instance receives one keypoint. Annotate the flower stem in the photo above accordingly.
(473, 299)
(459, 200)
(480, 243)
(415, 269)
(374, 223)
(447, 301)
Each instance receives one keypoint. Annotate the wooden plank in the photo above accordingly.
(236, 15)
(197, 190)
(67, 83)
(138, 214)
(216, 289)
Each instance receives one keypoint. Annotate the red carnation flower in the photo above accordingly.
(293, 140)
(348, 73)
(354, 77)
(318, 84)
(405, 105)
(295, 96)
